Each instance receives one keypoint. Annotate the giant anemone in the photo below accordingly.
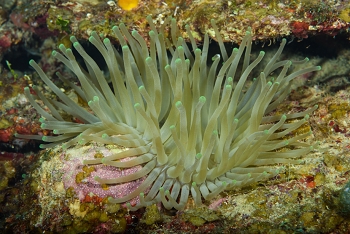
(193, 129)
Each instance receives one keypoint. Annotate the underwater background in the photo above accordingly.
(48, 190)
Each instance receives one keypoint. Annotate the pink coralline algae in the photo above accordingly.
(87, 187)
(5, 41)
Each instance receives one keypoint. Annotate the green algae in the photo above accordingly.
(3, 183)
(196, 220)
(66, 220)
(4, 123)
(200, 215)
(70, 192)
(118, 226)
(151, 215)
(338, 110)
(7, 172)
(103, 217)
(87, 170)
(94, 215)
(59, 19)
(112, 207)
(345, 15)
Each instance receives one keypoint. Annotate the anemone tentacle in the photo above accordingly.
(193, 128)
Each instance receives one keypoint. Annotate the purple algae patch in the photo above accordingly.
(73, 164)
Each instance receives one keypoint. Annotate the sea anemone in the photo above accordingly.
(193, 129)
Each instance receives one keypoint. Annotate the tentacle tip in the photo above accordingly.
(61, 47)
(178, 62)
(106, 41)
(178, 104)
(151, 33)
(215, 57)
(198, 156)
(137, 105)
(76, 44)
(72, 38)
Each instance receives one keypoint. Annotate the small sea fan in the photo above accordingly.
(194, 129)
